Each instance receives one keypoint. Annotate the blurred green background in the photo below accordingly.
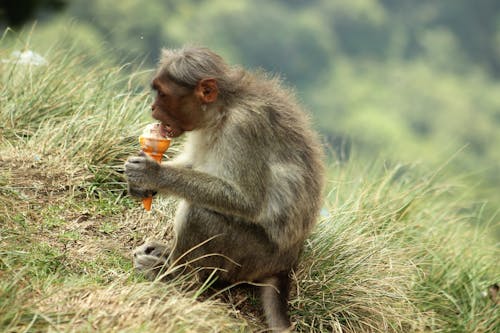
(394, 80)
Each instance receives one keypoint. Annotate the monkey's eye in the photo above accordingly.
(158, 93)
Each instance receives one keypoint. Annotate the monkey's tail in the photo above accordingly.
(274, 295)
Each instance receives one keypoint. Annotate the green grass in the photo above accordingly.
(399, 250)
(398, 253)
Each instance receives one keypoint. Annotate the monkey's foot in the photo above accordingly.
(151, 259)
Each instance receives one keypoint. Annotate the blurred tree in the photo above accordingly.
(276, 39)
(474, 25)
(134, 29)
(17, 12)
(362, 27)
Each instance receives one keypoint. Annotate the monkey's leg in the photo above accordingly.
(275, 302)
(151, 258)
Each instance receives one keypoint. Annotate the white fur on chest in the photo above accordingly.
(204, 152)
(181, 215)
(199, 153)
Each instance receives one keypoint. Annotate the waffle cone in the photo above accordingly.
(155, 148)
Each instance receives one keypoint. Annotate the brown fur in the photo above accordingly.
(250, 180)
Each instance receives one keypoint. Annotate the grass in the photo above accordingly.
(397, 253)
(397, 249)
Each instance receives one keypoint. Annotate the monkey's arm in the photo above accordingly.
(206, 190)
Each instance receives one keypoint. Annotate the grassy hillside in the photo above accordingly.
(394, 250)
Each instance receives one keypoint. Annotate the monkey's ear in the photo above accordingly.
(207, 90)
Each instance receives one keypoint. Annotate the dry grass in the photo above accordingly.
(79, 276)
(146, 307)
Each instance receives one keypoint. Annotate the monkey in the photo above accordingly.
(249, 177)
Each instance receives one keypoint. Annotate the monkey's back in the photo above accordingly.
(281, 132)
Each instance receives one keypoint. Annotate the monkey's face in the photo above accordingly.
(175, 107)
(179, 109)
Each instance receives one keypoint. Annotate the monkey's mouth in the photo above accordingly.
(165, 129)
(169, 131)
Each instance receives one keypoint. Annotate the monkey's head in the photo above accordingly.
(188, 85)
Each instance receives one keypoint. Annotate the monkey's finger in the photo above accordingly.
(131, 167)
(140, 192)
(136, 160)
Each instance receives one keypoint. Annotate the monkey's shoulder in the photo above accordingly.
(267, 117)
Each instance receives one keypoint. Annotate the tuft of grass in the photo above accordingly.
(396, 253)
(17, 310)
(119, 306)
(75, 109)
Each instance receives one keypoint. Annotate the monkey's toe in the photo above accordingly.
(150, 258)
(152, 248)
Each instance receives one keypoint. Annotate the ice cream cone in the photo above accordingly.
(155, 145)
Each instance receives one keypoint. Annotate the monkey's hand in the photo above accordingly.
(142, 175)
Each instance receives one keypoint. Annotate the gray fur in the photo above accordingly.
(250, 180)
